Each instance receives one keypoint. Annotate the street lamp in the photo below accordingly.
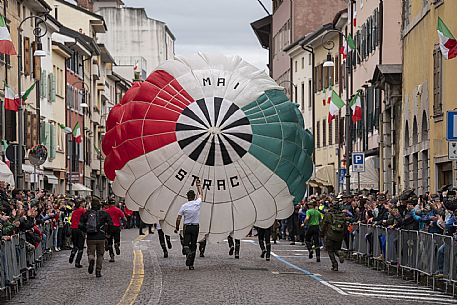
(37, 32)
(83, 105)
(329, 45)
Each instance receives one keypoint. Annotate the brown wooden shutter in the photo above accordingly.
(36, 64)
(326, 76)
(27, 56)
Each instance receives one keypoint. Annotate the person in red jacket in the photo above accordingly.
(77, 236)
(114, 232)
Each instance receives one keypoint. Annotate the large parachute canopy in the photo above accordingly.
(218, 119)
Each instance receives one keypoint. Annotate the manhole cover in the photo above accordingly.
(253, 269)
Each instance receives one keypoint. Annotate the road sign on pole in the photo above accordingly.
(358, 162)
(451, 126)
(452, 155)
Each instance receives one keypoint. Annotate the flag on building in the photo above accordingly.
(6, 44)
(11, 99)
(136, 67)
(26, 94)
(66, 129)
(448, 43)
(336, 103)
(356, 106)
(77, 133)
(348, 45)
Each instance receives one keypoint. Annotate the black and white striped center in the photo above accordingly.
(214, 131)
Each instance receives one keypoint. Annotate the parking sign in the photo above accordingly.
(451, 128)
(358, 162)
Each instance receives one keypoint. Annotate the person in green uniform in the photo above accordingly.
(333, 229)
(313, 219)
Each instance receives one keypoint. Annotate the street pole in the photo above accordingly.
(20, 173)
(348, 112)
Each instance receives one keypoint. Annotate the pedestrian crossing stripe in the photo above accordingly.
(397, 292)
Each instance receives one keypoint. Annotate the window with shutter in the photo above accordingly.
(52, 142)
(337, 129)
(28, 129)
(53, 88)
(43, 133)
(49, 87)
(324, 133)
(437, 81)
(326, 76)
(34, 129)
(27, 57)
(369, 101)
(318, 134)
(330, 134)
(315, 79)
(369, 30)
(310, 94)
(302, 96)
(47, 133)
(337, 69)
(43, 84)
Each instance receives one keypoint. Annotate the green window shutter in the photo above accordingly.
(52, 142)
(43, 133)
(49, 91)
(43, 77)
(53, 88)
(47, 132)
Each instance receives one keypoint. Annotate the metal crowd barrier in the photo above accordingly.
(19, 260)
(429, 254)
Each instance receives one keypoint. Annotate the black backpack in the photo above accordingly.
(92, 222)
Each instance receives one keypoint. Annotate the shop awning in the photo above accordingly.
(6, 175)
(79, 187)
(324, 176)
(52, 179)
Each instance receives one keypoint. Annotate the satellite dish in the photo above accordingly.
(38, 155)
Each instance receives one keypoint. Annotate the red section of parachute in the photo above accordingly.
(144, 121)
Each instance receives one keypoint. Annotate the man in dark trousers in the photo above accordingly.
(77, 236)
(333, 229)
(114, 231)
(264, 236)
(95, 222)
(234, 246)
(162, 239)
(190, 211)
(313, 219)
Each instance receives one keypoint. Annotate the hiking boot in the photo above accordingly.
(141, 233)
(292, 243)
(202, 254)
(118, 250)
(318, 259)
(72, 257)
(98, 273)
(78, 265)
(165, 254)
(268, 258)
(310, 254)
(90, 269)
(169, 245)
(232, 249)
(191, 268)
(263, 254)
(237, 256)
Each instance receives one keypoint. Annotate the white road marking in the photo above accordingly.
(398, 292)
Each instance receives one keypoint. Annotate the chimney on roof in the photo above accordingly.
(87, 4)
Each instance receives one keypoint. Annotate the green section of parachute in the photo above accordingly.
(280, 141)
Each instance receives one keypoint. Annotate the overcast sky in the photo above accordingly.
(211, 25)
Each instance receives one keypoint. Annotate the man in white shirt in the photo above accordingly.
(190, 211)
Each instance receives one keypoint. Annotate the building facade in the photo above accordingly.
(428, 93)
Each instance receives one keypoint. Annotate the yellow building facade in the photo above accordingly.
(429, 91)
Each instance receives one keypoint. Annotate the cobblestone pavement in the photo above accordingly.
(290, 277)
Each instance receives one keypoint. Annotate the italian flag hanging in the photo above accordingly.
(348, 45)
(448, 43)
(66, 129)
(356, 106)
(336, 103)
(6, 44)
(11, 99)
(77, 133)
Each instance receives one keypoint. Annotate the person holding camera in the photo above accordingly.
(190, 212)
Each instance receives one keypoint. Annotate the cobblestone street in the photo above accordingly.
(218, 278)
